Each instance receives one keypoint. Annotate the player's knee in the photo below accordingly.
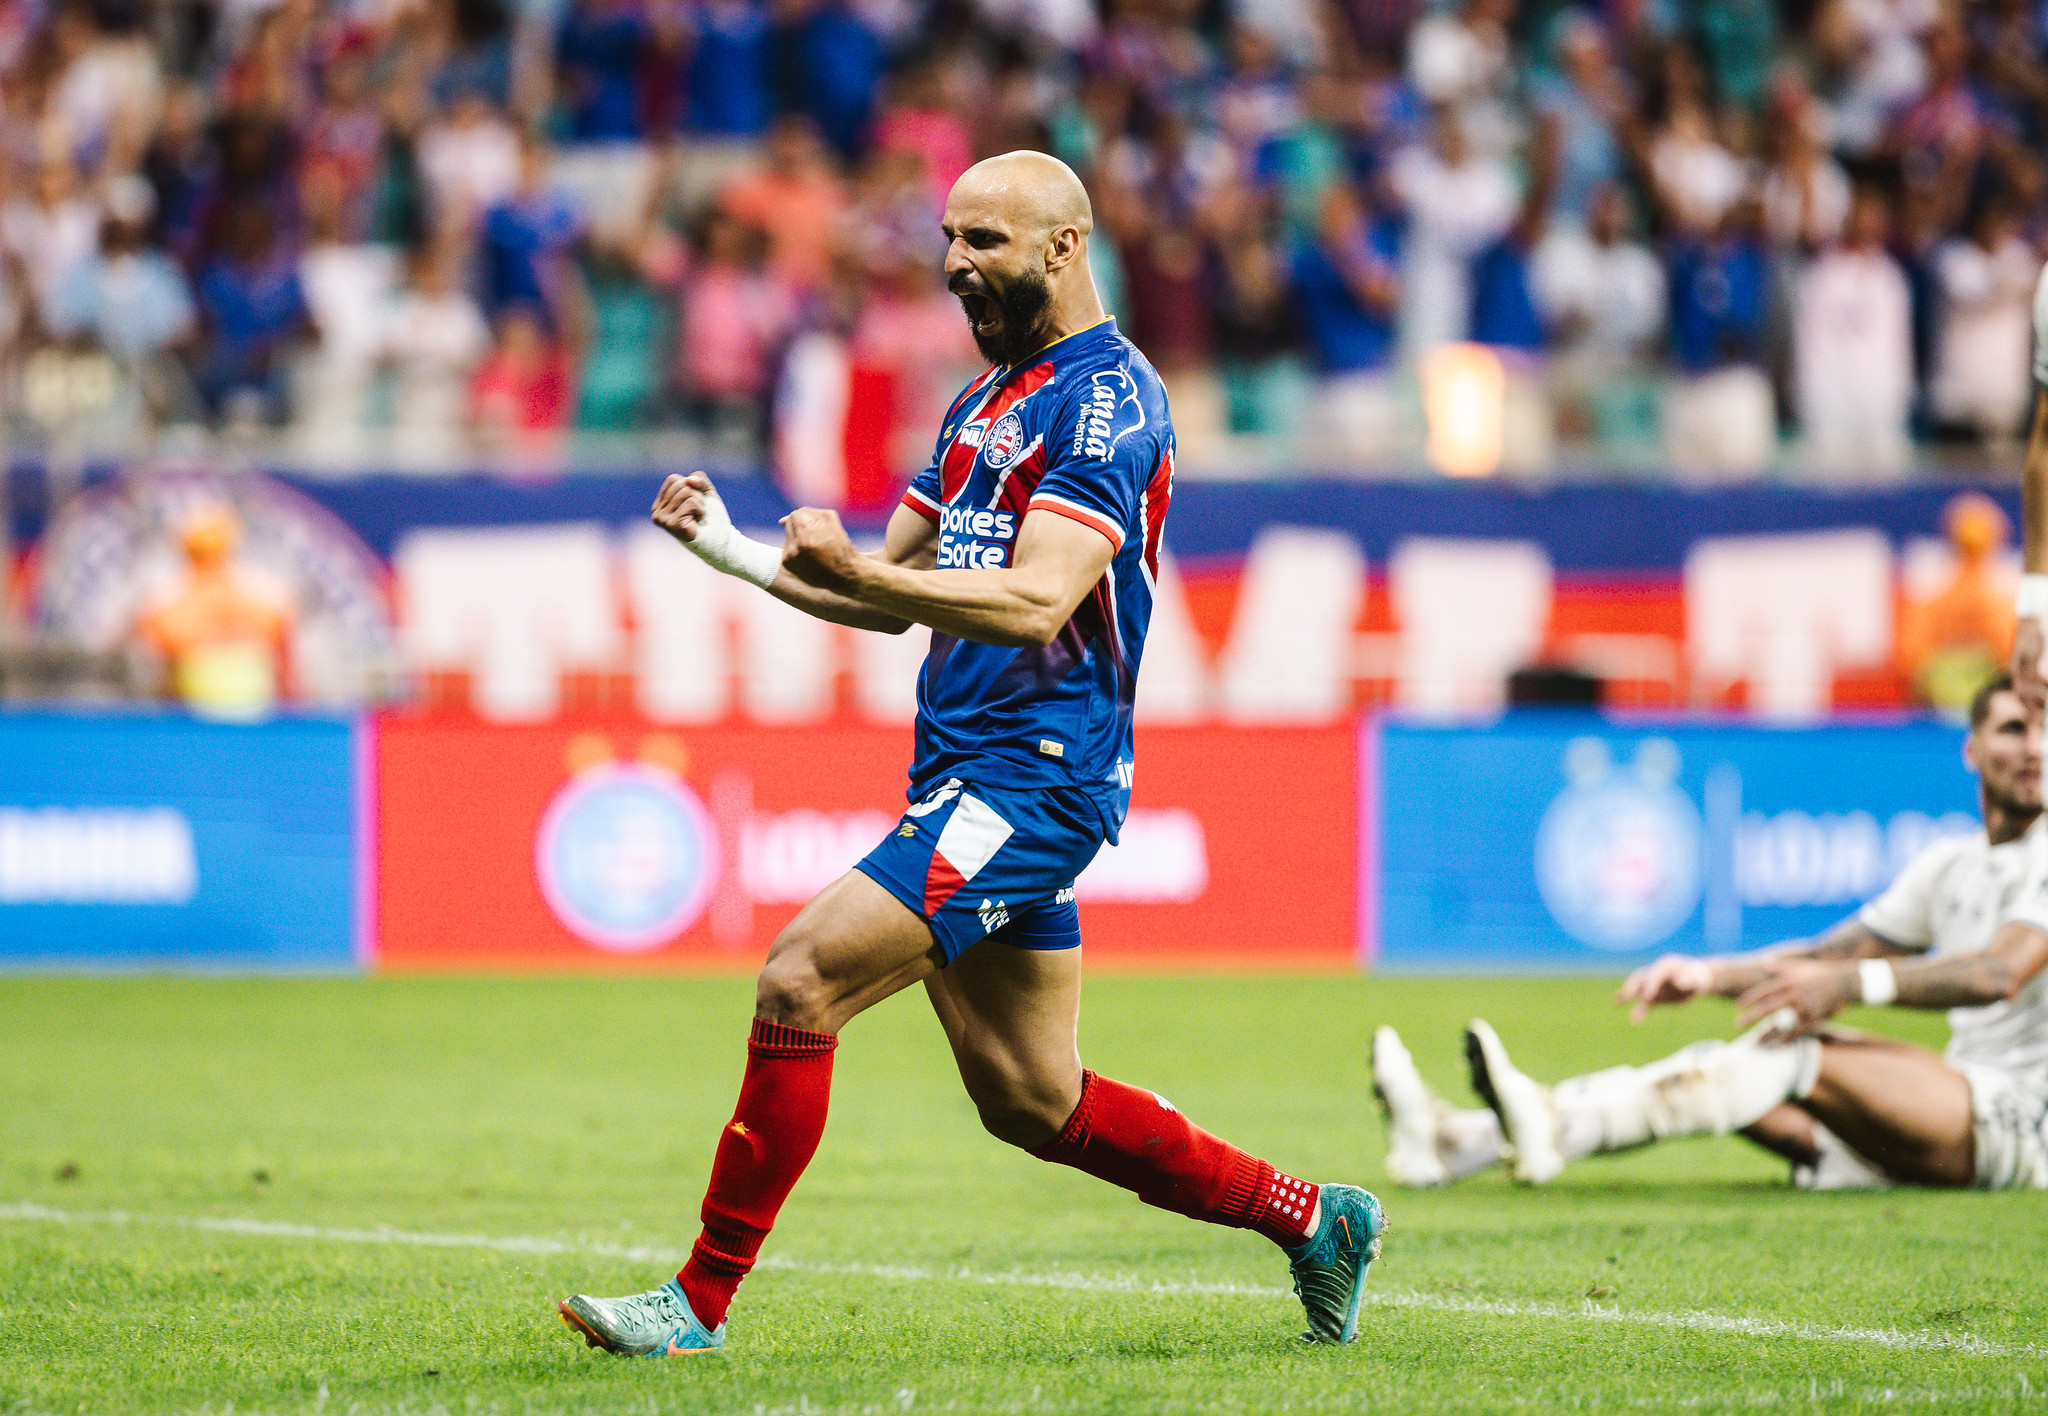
(1021, 1112)
(790, 990)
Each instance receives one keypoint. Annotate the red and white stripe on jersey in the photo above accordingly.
(1087, 515)
(972, 836)
(1152, 513)
(921, 504)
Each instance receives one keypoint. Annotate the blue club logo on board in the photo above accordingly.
(627, 856)
(1618, 852)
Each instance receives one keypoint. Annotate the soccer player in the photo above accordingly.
(1029, 546)
(1964, 927)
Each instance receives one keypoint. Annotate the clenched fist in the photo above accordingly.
(681, 504)
(817, 550)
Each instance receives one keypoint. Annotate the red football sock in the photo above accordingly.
(1134, 1138)
(773, 1134)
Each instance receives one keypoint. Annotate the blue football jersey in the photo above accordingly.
(1080, 430)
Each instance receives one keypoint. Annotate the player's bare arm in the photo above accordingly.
(1817, 989)
(1680, 978)
(1023, 604)
(686, 507)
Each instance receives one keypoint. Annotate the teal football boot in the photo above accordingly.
(1329, 1270)
(657, 1323)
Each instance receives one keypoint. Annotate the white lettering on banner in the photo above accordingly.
(787, 857)
(1825, 858)
(1162, 858)
(96, 855)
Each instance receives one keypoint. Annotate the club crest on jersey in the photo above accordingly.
(1003, 442)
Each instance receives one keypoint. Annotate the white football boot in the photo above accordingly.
(1412, 1111)
(1527, 1117)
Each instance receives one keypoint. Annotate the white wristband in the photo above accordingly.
(720, 546)
(2032, 601)
(1880, 982)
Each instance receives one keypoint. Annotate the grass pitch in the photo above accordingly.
(364, 1196)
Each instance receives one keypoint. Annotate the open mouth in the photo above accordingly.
(983, 313)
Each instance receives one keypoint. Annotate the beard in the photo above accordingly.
(1021, 308)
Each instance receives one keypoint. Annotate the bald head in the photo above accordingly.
(1034, 189)
(1017, 253)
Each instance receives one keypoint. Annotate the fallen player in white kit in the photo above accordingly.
(1964, 927)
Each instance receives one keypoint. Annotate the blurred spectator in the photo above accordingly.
(344, 140)
(1458, 203)
(920, 118)
(131, 302)
(600, 64)
(1953, 641)
(620, 372)
(471, 161)
(1348, 287)
(1461, 60)
(1694, 176)
(1980, 381)
(797, 199)
(1588, 104)
(1719, 417)
(52, 230)
(728, 83)
(1805, 191)
(735, 314)
(827, 63)
(521, 390)
(221, 630)
(526, 241)
(254, 309)
(1852, 350)
(347, 285)
(1602, 298)
(433, 337)
(109, 90)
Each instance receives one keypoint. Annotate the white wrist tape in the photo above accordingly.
(2032, 601)
(1880, 982)
(720, 546)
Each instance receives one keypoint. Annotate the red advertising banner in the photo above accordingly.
(623, 844)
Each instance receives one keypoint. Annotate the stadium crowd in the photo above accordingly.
(1689, 229)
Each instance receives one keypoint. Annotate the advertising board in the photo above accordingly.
(1561, 841)
(155, 840)
(620, 844)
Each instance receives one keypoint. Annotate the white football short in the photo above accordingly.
(2010, 1128)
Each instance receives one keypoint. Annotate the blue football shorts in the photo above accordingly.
(984, 863)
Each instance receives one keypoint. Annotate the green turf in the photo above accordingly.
(585, 1110)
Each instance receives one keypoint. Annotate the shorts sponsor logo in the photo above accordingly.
(626, 857)
(1618, 854)
(994, 915)
(1004, 442)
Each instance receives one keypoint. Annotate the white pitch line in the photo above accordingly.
(1723, 1324)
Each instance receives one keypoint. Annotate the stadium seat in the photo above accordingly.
(1785, 613)
(1470, 612)
(515, 608)
(1289, 656)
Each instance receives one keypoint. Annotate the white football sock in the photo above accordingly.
(1707, 1089)
(1468, 1141)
